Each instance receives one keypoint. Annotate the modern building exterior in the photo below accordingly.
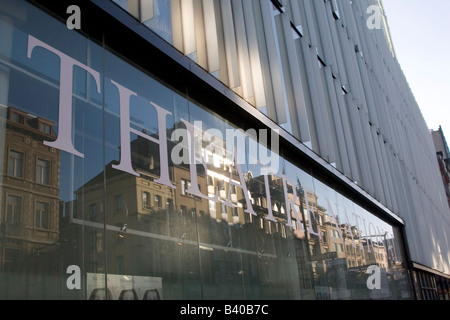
(216, 150)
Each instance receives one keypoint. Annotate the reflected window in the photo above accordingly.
(15, 163)
(118, 203)
(212, 206)
(158, 202)
(41, 215)
(14, 210)
(185, 185)
(18, 118)
(93, 212)
(146, 200)
(45, 128)
(169, 204)
(42, 171)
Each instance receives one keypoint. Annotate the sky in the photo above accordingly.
(420, 31)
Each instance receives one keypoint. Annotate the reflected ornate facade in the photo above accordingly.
(30, 212)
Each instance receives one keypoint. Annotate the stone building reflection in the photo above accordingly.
(157, 231)
(29, 229)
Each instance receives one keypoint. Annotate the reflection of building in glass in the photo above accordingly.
(29, 229)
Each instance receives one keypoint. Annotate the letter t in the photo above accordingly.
(65, 131)
(125, 130)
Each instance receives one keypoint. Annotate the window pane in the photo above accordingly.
(15, 164)
(146, 200)
(14, 209)
(18, 118)
(45, 128)
(41, 215)
(42, 171)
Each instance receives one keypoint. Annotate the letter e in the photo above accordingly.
(74, 281)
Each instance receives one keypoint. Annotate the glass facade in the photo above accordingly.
(115, 186)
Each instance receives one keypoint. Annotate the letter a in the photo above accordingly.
(374, 281)
(374, 21)
(74, 281)
(74, 21)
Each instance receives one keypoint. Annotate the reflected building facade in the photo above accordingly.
(31, 205)
(181, 162)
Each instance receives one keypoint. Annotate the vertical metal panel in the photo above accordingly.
(336, 118)
(310, 57)
(177, 29)
(133, 8)
(301, 45)
(269, 109)
(188, 25)
(325, 35)
(210, 27)
(230, 44)
(310, 23)
(146, 10)
(243, 54)
(339, 70)
(285, 46)
(200, 35)
(295, 12)
(298, 109)
(360, 146)
(355, 174)
(276, 71)
(254, 54)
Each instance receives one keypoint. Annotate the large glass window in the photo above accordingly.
(151, 196)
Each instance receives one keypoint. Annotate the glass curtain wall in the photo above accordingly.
(115, 187)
